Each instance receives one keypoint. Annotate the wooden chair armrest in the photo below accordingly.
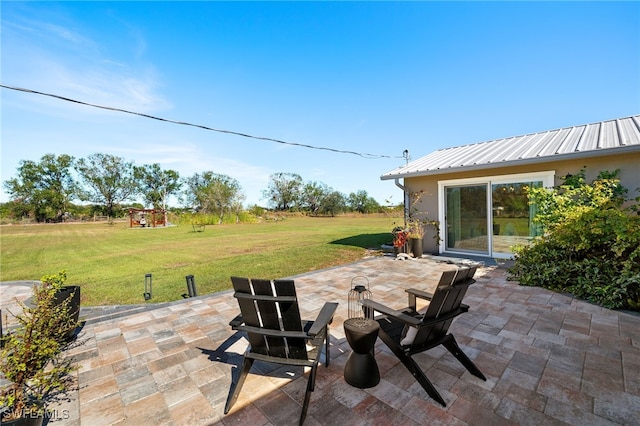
(415, 293)
(324, 318)
(236, 322)
(419, 293)
(400, 316)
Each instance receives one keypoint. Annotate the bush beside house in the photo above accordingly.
(591, 243)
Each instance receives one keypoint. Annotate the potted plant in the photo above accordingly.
(416, 234)
(33, 367)
(418, 221)
(399, 240)
(65, 294)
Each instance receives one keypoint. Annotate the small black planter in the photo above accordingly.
(71, 292)
(416, 247)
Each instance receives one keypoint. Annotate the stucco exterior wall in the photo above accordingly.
(629, 165)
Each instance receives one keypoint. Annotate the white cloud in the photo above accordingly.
(64, 33)
(57, 59)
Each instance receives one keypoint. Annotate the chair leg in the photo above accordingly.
(327, 355)
(452, 346)
(233, 395)
(307, 396)
(413, 368)
(417, 372)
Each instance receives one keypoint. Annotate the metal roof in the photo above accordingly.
(621, 135)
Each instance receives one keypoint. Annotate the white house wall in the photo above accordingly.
(629, 165)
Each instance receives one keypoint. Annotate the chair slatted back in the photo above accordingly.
(271, 305)
(447, 298)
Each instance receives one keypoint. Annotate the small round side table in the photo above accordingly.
(361, 369)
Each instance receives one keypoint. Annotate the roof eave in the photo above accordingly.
(537, 160)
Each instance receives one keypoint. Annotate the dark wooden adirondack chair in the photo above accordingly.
(270, 316)
(408, 332)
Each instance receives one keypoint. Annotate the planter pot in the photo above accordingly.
(398, 250)
(71, 292)
(416, 247)
(25, 421)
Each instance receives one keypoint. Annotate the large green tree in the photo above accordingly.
(320, 199)
(333, 203)
(284, 191)
(313, 195)
(360, 201)
(43, 189)
(156, 185)
(108, 180)
(210, 192)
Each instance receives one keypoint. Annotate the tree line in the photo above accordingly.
(48, 189)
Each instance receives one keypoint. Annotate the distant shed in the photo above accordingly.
(147, 218)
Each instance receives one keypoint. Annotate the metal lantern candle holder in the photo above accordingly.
(357, 294)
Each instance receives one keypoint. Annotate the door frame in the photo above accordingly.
(547, 177)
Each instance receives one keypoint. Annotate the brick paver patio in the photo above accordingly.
(549, 359)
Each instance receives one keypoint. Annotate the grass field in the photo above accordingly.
(109, 262)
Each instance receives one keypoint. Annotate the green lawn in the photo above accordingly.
(512, 226)
(109, 262)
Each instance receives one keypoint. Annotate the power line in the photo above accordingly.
(200, 126)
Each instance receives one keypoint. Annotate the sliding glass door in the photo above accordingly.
(512, 215)
(466, 213)
(489, 216)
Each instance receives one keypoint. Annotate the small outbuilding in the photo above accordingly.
(475, 195)
(147, 218)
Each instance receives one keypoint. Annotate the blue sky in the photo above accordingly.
(370, 77)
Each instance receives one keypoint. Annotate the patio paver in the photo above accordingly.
(549, 359)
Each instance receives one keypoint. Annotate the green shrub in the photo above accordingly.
(34, 368)
(591, 245)
(212, 218)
